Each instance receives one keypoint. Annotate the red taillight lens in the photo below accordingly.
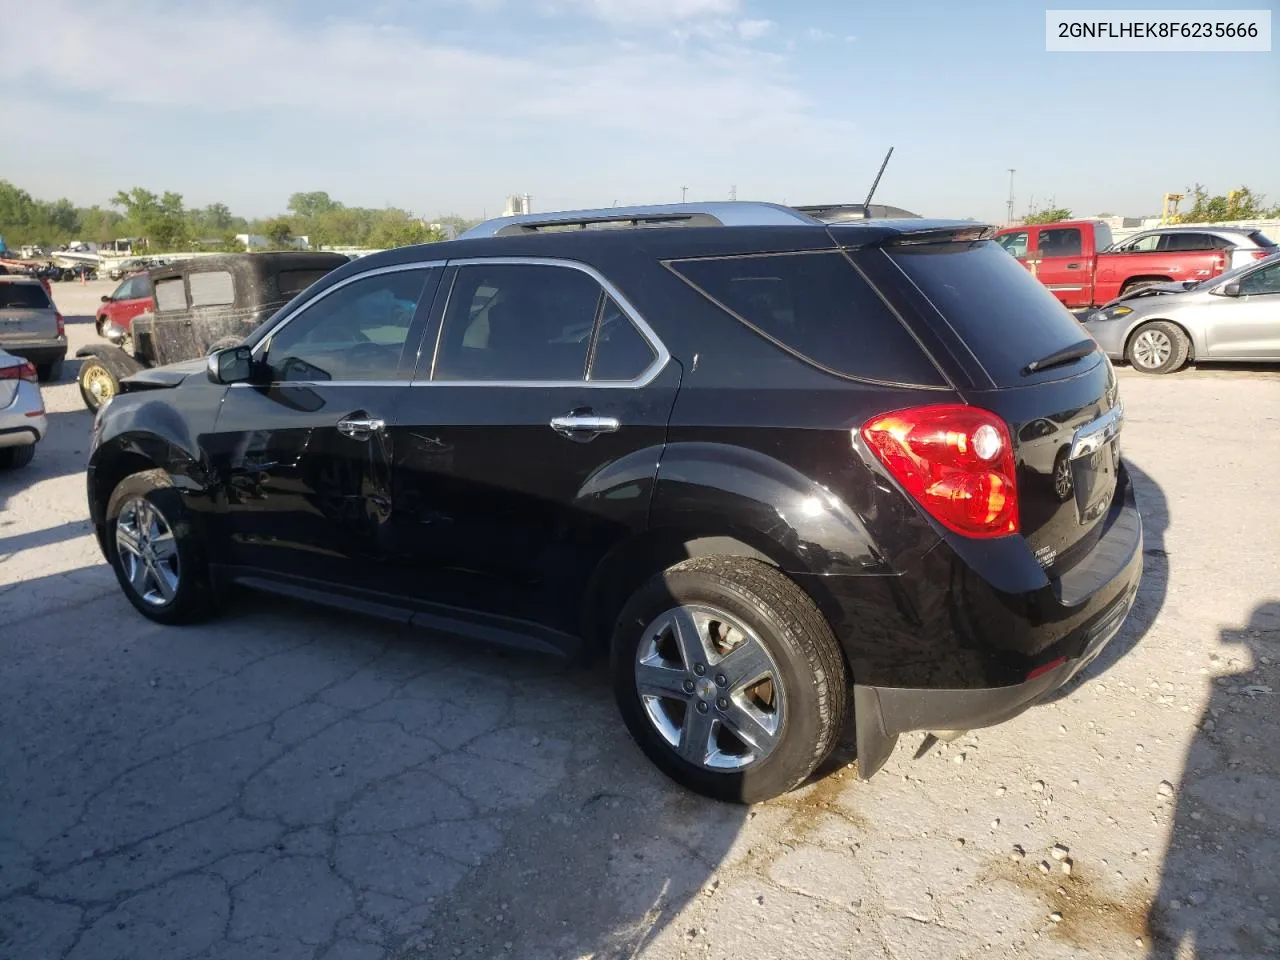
(1262, 254)
(956, 461)
(19, 371)
(62, 325)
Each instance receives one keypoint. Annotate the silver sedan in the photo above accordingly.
(1232, 317)
(22, 417)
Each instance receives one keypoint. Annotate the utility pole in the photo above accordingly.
(733, 192)
(1009, 219)
(684, 194)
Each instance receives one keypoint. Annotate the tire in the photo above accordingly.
(50, 372)
(13, 457)
(97, 383)
(1158, 347)
(807, 684)
(1137, 284)
(174, 588)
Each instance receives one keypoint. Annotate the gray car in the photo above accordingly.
(1232, 317)
(31, 326)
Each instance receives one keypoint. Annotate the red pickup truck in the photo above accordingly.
(1072, 259)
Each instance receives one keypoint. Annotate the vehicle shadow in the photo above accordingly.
(440, 799)
(1226, 903)
(63, 451)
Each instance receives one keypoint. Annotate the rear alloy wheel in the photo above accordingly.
(156, 556)
(1158, 347)
(97, 384)
(729, 678)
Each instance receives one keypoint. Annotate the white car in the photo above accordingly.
(22, 418)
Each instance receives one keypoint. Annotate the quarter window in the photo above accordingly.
(518, 322)
(357, 332)
(171, 295)
(212, 288)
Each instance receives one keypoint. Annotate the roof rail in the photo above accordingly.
(840, 212)
(725, 213)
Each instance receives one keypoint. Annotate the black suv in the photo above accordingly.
(786, 473)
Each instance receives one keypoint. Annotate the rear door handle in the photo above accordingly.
(361, 428)
(584, 426)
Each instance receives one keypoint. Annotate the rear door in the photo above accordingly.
(305, 459)
(26, 313)
(530, 442)
(1063, 418)
(1061, 264)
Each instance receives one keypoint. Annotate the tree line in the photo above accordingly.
(1239, 204)
(166, 224)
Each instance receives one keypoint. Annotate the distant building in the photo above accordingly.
(517, 205)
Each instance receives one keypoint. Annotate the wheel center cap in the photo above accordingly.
(705, 688)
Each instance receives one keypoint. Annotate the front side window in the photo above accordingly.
(127, 290)
(1266, 280)
(356, 332)
(1145, 244)
(171, 295)
(1015, 243)
(518, 322)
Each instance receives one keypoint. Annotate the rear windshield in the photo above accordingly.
(23, 296)
(819, 307)
(1003, 313)
(1261, 239)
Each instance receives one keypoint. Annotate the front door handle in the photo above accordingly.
(583, 426)
(1073, 266)
(361, 428)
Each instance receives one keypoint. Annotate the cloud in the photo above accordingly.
(814, 33)
(755, 29)
(646, 11)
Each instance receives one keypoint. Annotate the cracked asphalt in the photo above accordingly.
(289, 782)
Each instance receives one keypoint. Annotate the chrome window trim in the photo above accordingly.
(265, 342)
(661, 355)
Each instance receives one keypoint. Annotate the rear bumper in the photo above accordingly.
(1038, 643)
(38, 351)
(23, 421)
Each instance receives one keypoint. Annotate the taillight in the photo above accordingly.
(19, 371)
(956, 461)
(1262, 254)
(62, 325)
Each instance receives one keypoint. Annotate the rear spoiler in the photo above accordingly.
(909, 233)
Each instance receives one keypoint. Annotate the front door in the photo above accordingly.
(529, 448)
(1061, 265)
(305, 458)
(1247, 327)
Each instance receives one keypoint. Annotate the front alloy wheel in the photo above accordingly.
(148, 552)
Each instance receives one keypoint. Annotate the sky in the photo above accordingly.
(448, 106)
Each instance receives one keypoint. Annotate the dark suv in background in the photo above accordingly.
(786, 473)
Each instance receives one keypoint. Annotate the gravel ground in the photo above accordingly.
(289, 782)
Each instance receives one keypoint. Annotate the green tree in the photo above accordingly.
(1047, 214)
(399, 228)
(278, 231)
(161, 220)
(1239, 204)
(311, 204)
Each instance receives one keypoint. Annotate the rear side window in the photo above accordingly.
(1175, 242)
(818, 307)
(23, 296)
(1003, 313)
(171, 295)
(213, 288)
(293, 282)
(1101, 236)
(1060, 242)
(621, 352)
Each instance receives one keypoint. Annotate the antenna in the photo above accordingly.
(866, 204)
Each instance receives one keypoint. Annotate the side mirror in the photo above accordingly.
(1232, 289)
(105, 298)
(232, 365)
